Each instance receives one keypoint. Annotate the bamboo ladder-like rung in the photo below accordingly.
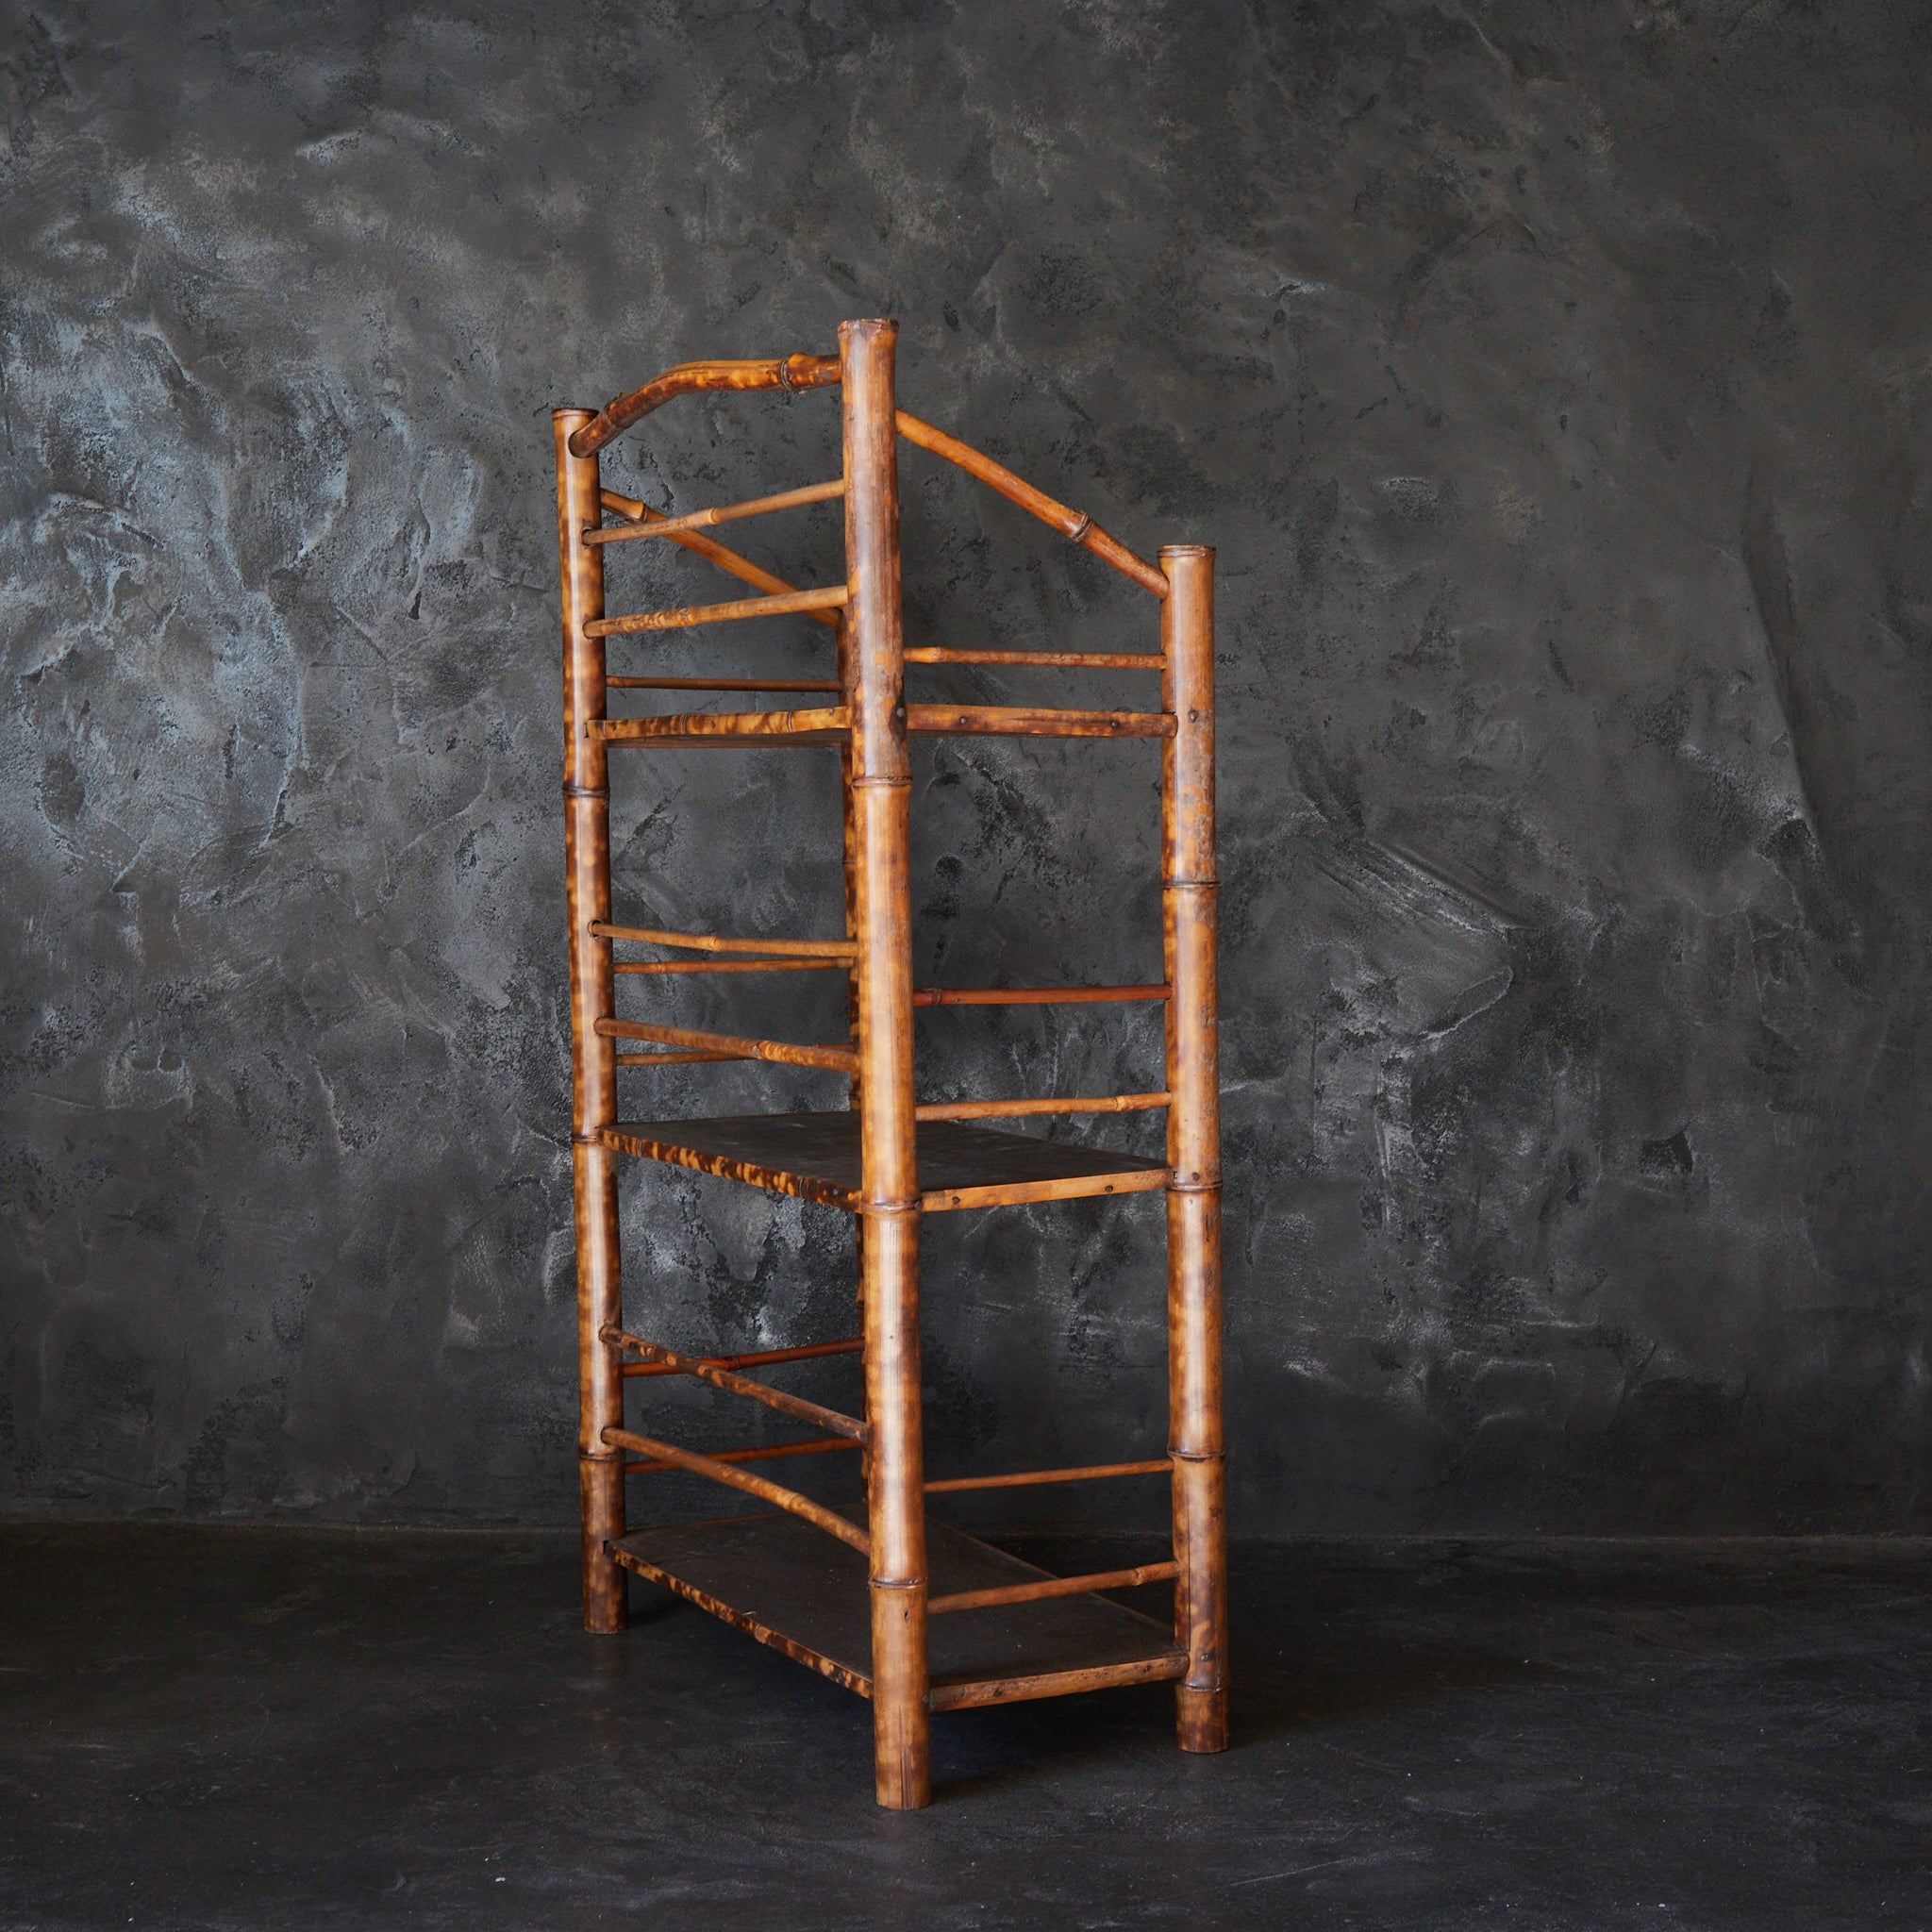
(870, 725)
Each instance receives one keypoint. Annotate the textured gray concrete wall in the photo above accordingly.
(1555, 383)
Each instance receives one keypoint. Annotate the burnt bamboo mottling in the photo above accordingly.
(887, 1158)
(1065, 661)
(888, 1205)
(1188, 888)
(594, 1069)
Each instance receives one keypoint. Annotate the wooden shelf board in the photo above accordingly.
(815, 1155)
(806, 1594)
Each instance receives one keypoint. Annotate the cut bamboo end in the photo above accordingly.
(1052, 1586)
(1016, 1109)
(778, 604)
(723, 513)
(712, 943)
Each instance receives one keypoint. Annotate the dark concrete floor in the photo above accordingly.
(274, 1727)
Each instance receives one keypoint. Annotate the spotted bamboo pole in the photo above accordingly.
(1193, 1146)
(593, 1068)
(889, 1203)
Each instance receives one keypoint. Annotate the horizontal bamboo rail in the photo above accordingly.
(1072, 524)
(831, 598)
(723, 513)
(1051, 1586)
(657, 966)
(712, 943)
(1011, 722)
(954, 1694)
(722, 1472)
(741, 568)
(784, 372)
(769, 1452)
(1069, 661)
(686, 727)
(796, 1407)
(1025, 1478)
(1028, 995)
(762, 1358)
(673, 1060)
(840, 1059)
(723, 683)
(1014, 1109)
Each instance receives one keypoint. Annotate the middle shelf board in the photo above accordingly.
(832, 725)
(815, 1155)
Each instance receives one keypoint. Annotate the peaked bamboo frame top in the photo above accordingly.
(821, 371)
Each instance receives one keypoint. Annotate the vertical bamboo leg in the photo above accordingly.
(1194, 1148)
(888, 1212)
(594, 1069)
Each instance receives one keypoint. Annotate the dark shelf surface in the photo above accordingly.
(805, 1593)
(816, 1156)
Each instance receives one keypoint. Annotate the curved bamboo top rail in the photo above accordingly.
(1073, 524)
(742, 567)
(688, 378)
(723, 513)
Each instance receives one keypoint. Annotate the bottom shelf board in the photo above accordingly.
(803, 1592)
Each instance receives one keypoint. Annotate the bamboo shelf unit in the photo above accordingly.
(911, 1613)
